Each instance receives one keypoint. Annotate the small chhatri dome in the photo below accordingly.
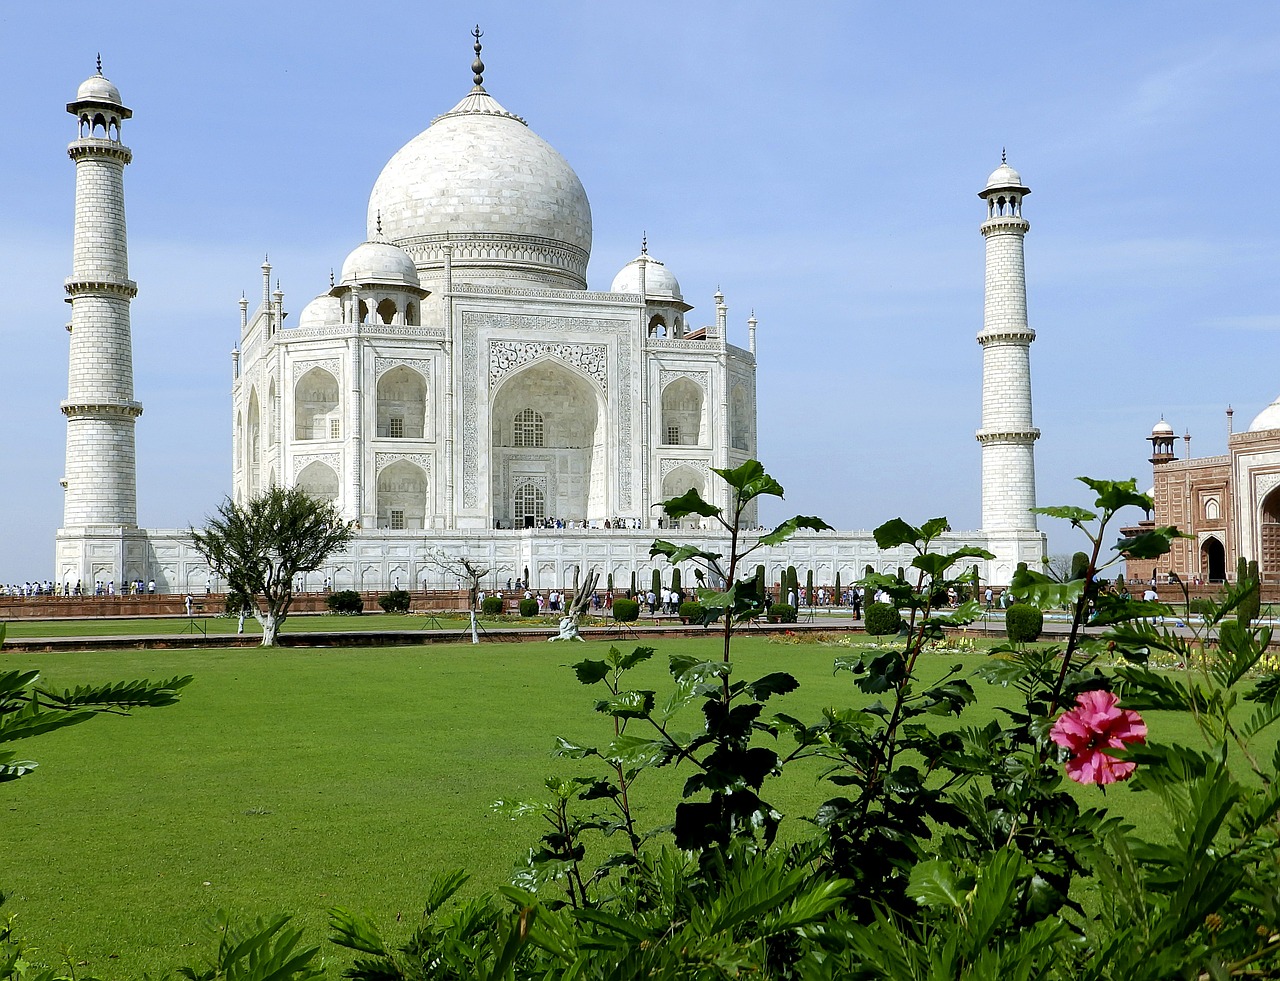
(1004, 178)
(659, 281)
(1162, 428)
(324, 309)
(1268, 418)
(97, 91)
(96, 88)
(379, 262)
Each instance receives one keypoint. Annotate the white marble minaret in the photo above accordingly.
(99, 538)
(1008, 435)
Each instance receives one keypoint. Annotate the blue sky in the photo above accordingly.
(818, 162)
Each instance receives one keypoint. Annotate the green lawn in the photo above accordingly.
(295, 624)
(295, 779)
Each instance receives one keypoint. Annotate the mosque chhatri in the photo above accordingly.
(459, 387)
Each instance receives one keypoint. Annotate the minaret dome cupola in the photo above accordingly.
(98, 108)
(1004, 191)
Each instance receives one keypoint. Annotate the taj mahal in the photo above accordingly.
(461, 389)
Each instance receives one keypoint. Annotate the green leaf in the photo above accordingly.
(777, 683)
(934, 527)
(572, 750)
(690, 502)
(591, 672)
(1149, 544)
(933, 884)
(627, 704)
(789, 527)
(676, 554)
(1075, 515)
(1112, 495)
(750, 481)
(895, 532)
(1044, 592)
(635, 657)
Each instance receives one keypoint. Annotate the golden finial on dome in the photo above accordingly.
(477, 66)
(99, 62)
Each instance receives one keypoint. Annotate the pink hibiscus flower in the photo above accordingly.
(1094, 725)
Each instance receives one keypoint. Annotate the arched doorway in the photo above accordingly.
(319, 480)
(253, 446)
(315, 406)
(402, 496)
(402, 404)
(682, 410)
(1213, 560)
(1269, 526)
(547, 432)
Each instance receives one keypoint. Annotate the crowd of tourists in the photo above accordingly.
(68, 589)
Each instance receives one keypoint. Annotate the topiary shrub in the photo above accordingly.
(881, 619)
(492, 606)
(528, 607)
(782, 613)
(1202, 606)
(396, 601)
(626, 610)
(1023, 623)
(346, 602)
(691, 612)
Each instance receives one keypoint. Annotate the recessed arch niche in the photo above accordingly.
(570, 459)
(315, 404)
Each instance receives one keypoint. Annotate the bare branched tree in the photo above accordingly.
(469, 571)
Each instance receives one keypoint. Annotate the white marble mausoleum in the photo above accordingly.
(460, 388)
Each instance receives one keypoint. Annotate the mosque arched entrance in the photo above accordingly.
(1213, 560)
(548, 433)
(1269, 526)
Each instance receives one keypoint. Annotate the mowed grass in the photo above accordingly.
(297, 779)
(295, 623)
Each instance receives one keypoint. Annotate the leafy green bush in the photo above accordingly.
(881, 619)
(529, 607)
(1023, 623)
(691, 612)
(345, 601)
(492, 606)
(626, 610)
(1202, 606)
(782, 613)
(396, 601)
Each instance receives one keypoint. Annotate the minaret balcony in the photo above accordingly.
(1005, 223)
(1018, 437)
(77, 286)
(96, 146)
(101, 407)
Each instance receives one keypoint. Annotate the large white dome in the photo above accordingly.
(508, 204)
(1268, 418)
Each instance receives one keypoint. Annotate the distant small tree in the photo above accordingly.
(1058, 566)
(460, 566)
(261, 547)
